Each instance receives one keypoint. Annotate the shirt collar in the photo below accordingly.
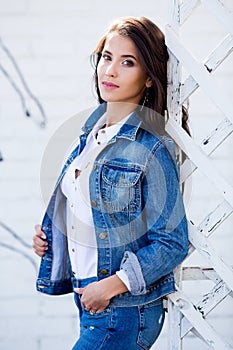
(110, 131)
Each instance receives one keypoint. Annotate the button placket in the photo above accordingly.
(80, 186)
(102, 235)
(93, 203)
(72, 211)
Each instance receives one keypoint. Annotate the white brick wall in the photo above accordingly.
(51, 41)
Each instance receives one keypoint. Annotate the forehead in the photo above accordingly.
(120, 44)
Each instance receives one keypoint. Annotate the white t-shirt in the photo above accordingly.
(75, 186)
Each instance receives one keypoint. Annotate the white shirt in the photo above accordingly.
(75, 186)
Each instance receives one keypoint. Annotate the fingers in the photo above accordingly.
(90, 308)
(94, 310)
(94, 306)
(79, 290)
(39, 233)
(40, 245)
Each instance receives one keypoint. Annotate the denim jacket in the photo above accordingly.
(138, 214)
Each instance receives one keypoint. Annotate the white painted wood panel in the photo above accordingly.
(200, 74)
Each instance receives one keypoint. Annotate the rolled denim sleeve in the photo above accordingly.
(167, 232)
(132, 269)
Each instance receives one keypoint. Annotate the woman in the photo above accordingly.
(115, 227)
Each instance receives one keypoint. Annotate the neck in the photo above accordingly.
(116, 111)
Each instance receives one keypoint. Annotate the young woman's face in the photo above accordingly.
(121, 77)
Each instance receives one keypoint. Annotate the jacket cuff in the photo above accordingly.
(132, 268)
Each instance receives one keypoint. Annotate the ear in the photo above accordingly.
(149, 82)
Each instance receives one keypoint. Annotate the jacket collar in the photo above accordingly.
(128, 130)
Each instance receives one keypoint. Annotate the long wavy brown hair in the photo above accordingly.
(152, 50)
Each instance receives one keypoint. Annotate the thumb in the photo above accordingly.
(39, 233)
(79, 290)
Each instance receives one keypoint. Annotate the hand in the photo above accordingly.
(96, 296)
(40, 245)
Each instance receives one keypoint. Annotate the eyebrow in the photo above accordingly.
(123, 56)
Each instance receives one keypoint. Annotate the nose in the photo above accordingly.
(111, 70)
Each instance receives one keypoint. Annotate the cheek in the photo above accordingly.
(137, 77)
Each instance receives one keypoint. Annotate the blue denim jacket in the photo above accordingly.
(137, 204)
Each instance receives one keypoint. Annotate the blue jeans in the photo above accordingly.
(118, 328)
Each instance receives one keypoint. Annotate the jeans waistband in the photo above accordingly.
(81, 283)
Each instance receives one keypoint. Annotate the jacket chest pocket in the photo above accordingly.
(120, 188)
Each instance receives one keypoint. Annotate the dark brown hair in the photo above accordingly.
(150, 43)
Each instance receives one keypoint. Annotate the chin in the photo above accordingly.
(109, 99)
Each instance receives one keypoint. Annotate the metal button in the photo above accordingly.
(73, 250)
(93, 203)
(102, 235)
(104, 272)
(94, 167)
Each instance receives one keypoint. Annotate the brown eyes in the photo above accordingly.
(106, 57)
(126, 62)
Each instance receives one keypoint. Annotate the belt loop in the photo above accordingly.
(77, 283)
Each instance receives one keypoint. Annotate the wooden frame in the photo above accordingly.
(183, 315)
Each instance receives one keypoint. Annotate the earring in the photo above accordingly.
(146, 99)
